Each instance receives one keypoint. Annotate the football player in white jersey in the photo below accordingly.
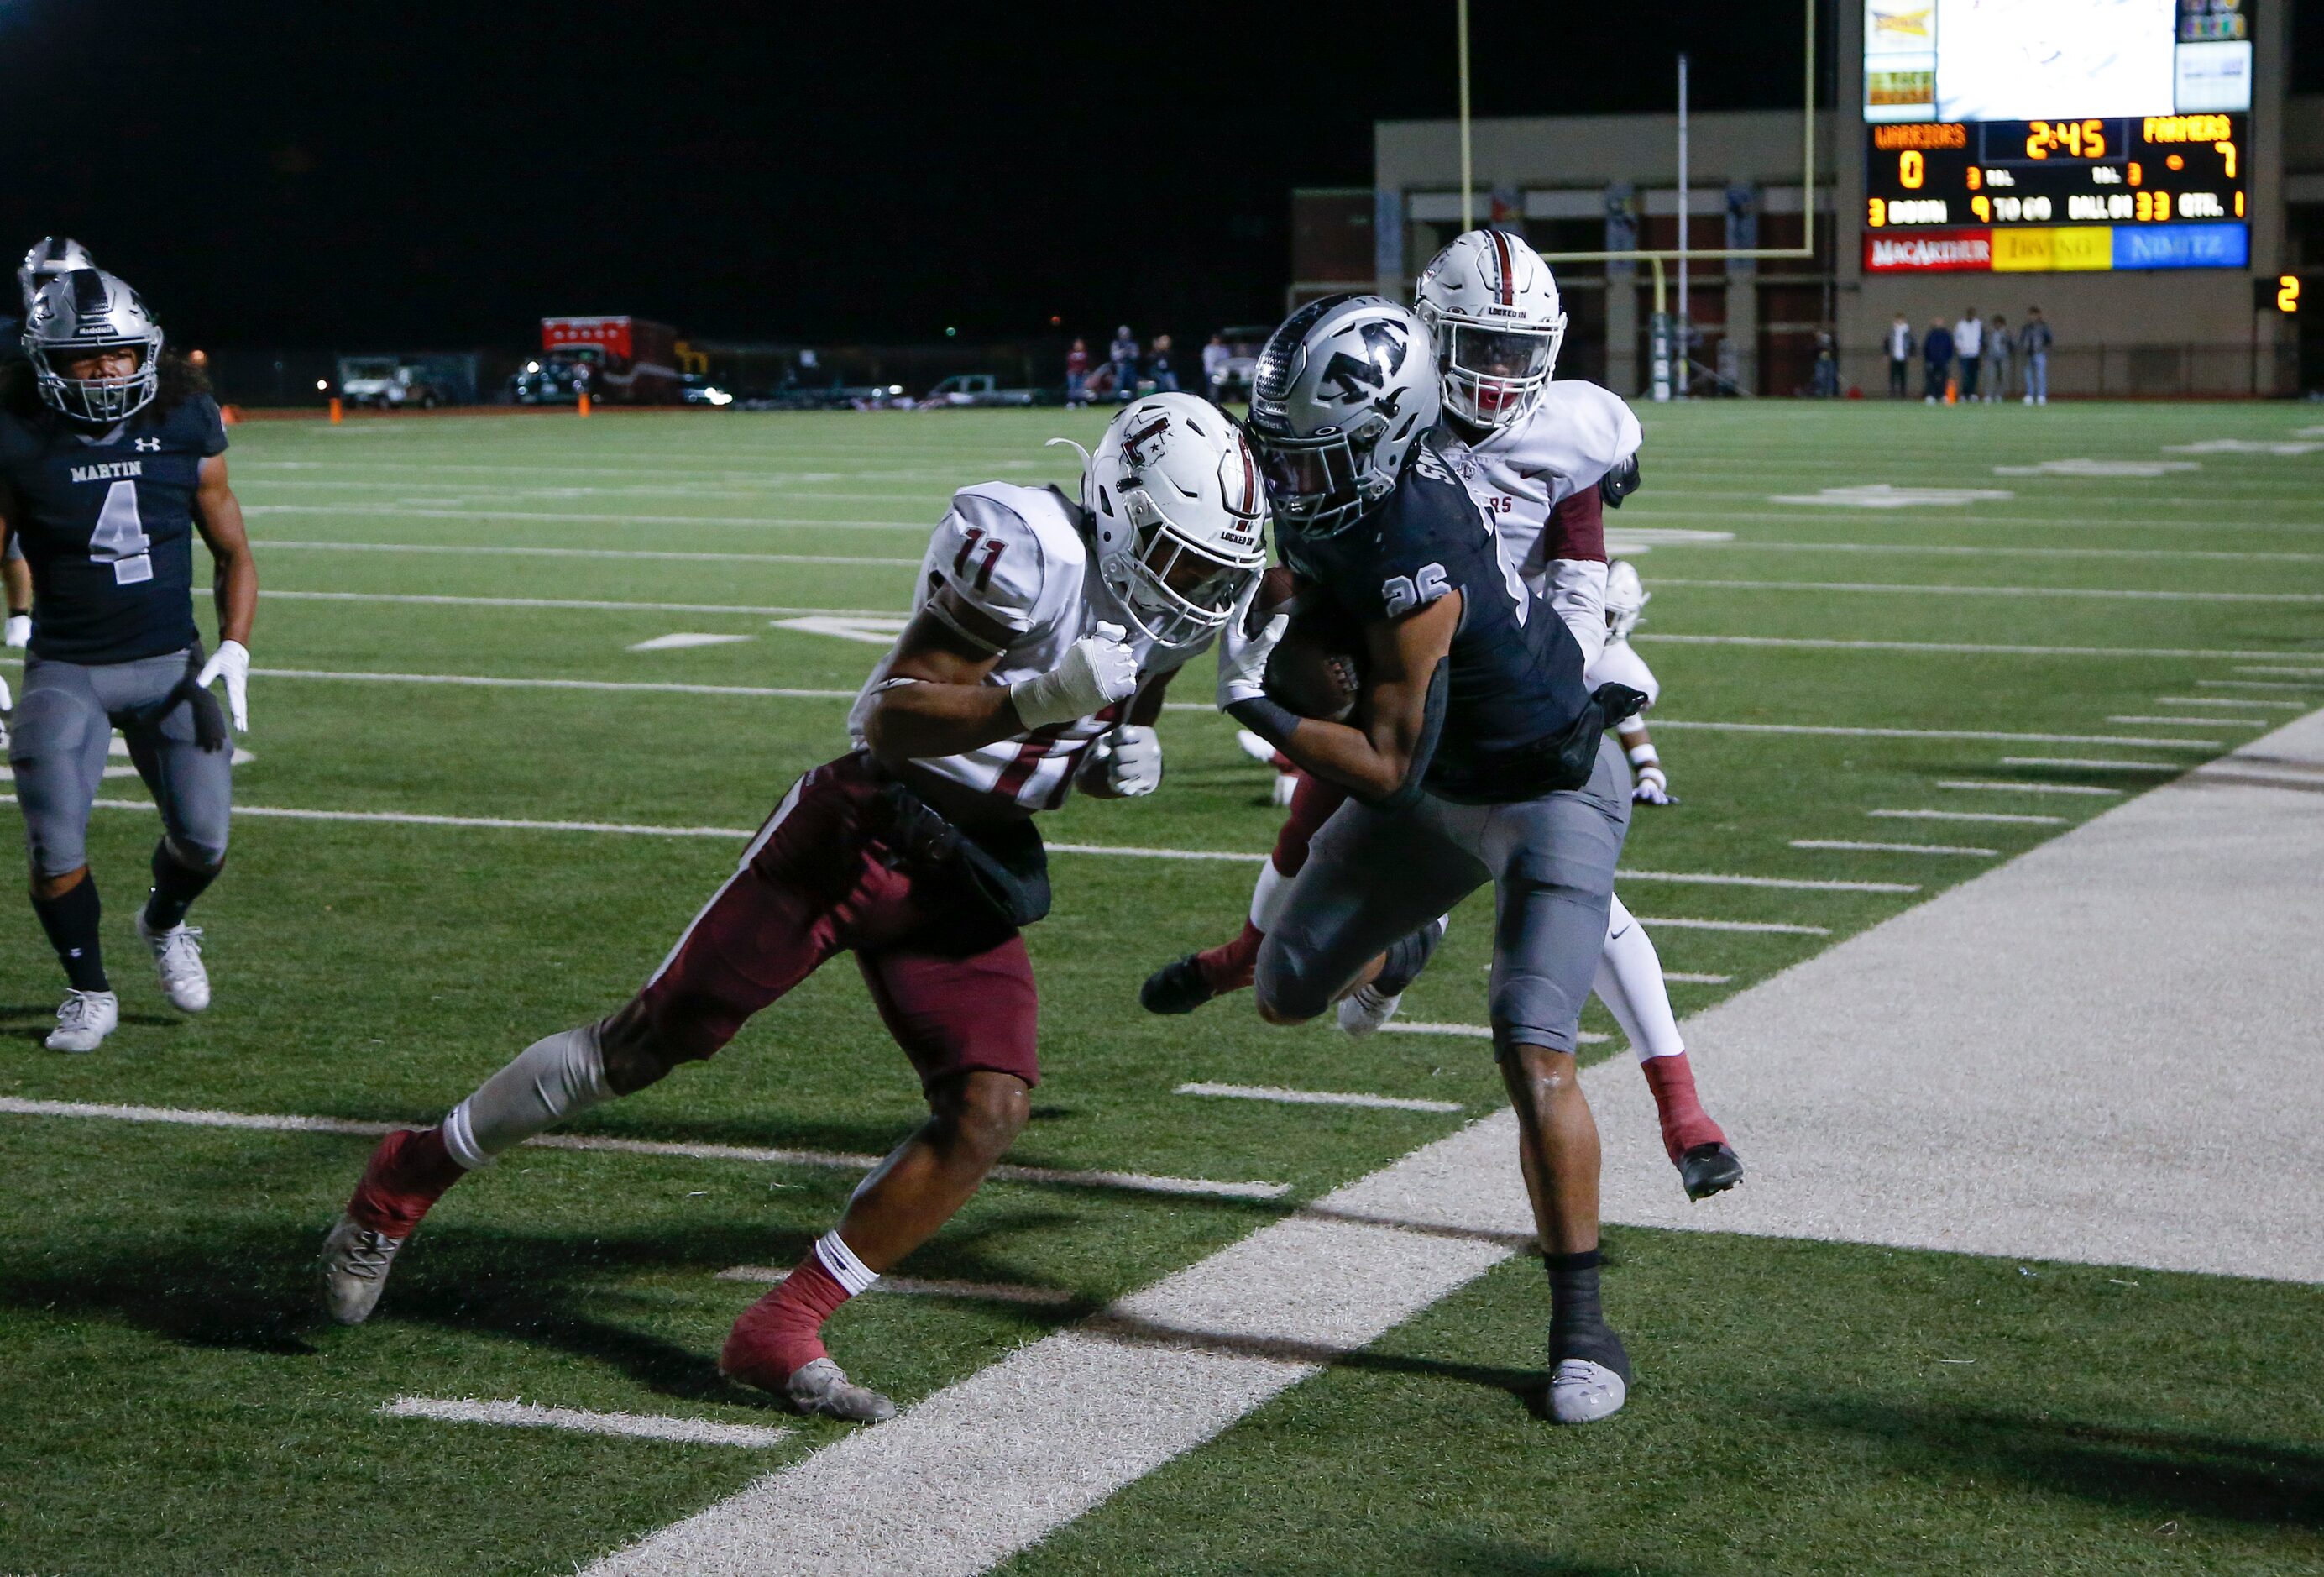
(1542, 459)
(1043, 633)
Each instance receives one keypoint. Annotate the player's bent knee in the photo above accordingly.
(985, 1111)
(203, 851)
(638, 1053)
(1285, 987)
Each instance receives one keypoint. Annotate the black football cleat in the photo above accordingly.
(1708, 1169)
(1175, 988)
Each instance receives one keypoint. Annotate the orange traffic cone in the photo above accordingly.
(584, 402)
(1952, 391)
(338, 410)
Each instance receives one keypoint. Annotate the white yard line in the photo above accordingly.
(682, 641)
(2196, 721)
(1679, 977)
(2261, 684)
(1850, 844)
(2228, 701)
(1472, 1031)
(1790, 883)
(1908, 589)
(274, 545)
(587, 604)
(1992, 816)
(1772, 927)
(2093, 765)
(1927, 549)
(1955, 647)
(991, 1292)
(2316, 674)
(487, 681)
(1131, 1182)
(571, 517)
(1316, 1097)
(1973, 783)
(636, 1425)
(1156, 854)
(1984, 734)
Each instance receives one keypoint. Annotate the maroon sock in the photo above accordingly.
(782, 1333)
(408, 1173)
(1685, 1124)
(1229, 966)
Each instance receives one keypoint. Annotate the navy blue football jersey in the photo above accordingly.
(1515, 674)
(106, 519)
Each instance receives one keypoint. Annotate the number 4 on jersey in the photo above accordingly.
(119, 538)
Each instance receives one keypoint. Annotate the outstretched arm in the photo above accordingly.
(934, 700)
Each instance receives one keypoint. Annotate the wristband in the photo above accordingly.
(1643, 755)
(1267, 717)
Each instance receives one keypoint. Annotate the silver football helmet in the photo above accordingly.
(1626, 599)
(1492, 308)
(1174, 502)
(50, 256)
(90, 312)
(1343, 390)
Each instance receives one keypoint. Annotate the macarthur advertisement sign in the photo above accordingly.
(1929, 251)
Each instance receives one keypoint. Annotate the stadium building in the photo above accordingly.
(2150, 190)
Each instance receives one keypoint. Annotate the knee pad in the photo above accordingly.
(198, 853)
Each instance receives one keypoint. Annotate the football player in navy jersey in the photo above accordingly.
(112, 459)
(1477, 754)
(48, 257)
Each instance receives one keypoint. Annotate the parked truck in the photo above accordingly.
(389, 383)
(629, 361)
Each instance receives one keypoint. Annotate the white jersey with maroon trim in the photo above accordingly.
(1536, 481)
(1620, 664)
(1017, 555)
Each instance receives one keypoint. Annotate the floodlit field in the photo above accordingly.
(464, 631)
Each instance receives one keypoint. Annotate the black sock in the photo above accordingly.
(1577, 1324)
(175, 888)
(71, 920)
(1406, 957)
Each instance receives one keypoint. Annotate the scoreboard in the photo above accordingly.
(2021, 135)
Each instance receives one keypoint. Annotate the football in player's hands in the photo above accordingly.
(1314, 669)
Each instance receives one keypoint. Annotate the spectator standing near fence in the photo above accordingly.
(1968, 345)
(1937, 356)
(1122, 357)
(1158, 368)
(1215, 357)
(1901, 346)
(2034, 339)
(1997, 352)
(1078, 374)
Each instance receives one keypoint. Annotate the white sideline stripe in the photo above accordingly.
(1847, 843)
(1316, 1097)
(2024, 787)
(995, 1292)
(992, 1464)
(1838, 733)
(2198, 722)
(1792, 883)
(1683, 978)
(1772, 928)
(487, 681)
(592, 604)
(1470, 1031)
(638, 1425)
(1134, 1181)
(277, 545)
(2317, 674)
(1963, 647)
(1911, 589)
(2093, 765)
(2260, 683)
(1992, 816)
(2228, 701)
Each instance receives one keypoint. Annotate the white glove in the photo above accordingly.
(1098, 670)
(231, 662)
(1242, 656)
(20, 630)
(1652, 786)
(1131, 756)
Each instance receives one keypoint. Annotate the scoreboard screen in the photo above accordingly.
(2056, 135)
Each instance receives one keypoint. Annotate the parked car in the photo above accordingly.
(387, 383)
(695, 389)
(1243, 345)
(976, 389)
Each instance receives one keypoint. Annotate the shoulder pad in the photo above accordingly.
(991, 558)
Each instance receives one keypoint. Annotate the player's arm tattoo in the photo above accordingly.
(934, 701)
(234, 577)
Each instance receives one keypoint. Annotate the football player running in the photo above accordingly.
(1480, 757)
(49, 257)
(1043, 634)
(111, 459)
(1542, 459)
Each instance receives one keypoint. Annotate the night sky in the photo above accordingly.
(420, 174)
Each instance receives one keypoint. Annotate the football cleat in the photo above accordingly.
(355, 1265)
(822, 1390)
(1582, 1392)
(178, 960)
(1708, 1169)
(1366, 1010)
(1175, 988)
(84, 1020)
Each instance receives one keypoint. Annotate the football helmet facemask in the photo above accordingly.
(50, 256)
(1492, 312)
(1342, 391)
(1178, 513)
(1626, 599)
(88, 312)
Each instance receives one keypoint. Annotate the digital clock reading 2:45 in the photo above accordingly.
(2151, 170)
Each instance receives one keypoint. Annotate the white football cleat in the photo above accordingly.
(1582, 1392)
(1364, 1010)
(178, 960)
(822, 1389)
(356, 1261)
(84, 1020)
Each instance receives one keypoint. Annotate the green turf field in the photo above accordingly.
(173, 1404)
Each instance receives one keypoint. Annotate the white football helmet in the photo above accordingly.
(50, 256)
(1175, 503)
(1626, 599)
(1492, 310)
(1342, 391)
(89, 312)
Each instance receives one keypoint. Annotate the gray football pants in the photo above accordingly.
(1372, 877)
(64, 722)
